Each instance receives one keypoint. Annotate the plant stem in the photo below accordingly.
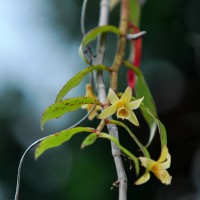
(124, 17)
(101, 47)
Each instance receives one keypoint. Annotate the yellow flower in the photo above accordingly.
(157, 167)
(122, 106)
(89, 107)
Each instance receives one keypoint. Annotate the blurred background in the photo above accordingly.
(39, 43)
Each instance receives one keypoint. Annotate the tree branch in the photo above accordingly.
(101, 47)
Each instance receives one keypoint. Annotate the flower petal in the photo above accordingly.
(92, 115)
(167, 163)
(85, 106)
(89, 90)
(164, 153)
(135, 104)
(133, 119)
(112, 97)
(108, 112)
(143, 179)
(148, 163)
(162, 174)
(126, 97)
(166, 178)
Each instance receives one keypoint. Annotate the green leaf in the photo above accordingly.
(58, 139)
(75, 80)
(92, 35)
(161, 127)
(89, 140)
(62, 107)
(135, 12)
(142, 90)
(144, 150)
(123, 149)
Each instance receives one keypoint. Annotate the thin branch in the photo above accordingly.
(101, 47)
(121, 174)
(88, 49)
(83, 11)
(123, 27)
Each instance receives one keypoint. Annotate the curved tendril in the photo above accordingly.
(34, 144)
(83, 17)
(20, 165)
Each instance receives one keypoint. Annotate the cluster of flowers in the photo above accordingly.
(123, 107)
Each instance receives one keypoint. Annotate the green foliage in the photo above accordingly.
(62, 107)
(89, 140)
(124, 150)
(75, 80)
(142, 90)
(135, 12)
(150, 116)
(92, 35)
(143, 149)
(58, 139)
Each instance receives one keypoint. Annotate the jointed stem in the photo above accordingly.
(103, 20)
(124, 17)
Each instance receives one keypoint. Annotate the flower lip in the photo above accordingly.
(161, 174)
(123, 113)
(123, 106)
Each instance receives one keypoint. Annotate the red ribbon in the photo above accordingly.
(137, 44)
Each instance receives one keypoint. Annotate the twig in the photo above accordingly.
(123, 27)
(101, 47)
(121, 174)
(88, 49)
(83, 17)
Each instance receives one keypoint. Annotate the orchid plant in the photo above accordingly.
(104, 107)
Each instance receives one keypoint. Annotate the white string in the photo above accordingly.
(34, 144)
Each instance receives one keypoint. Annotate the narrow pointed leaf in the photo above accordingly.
(123, 149)
(89, 140)
(62, 107)
(92, 35)
(162, 131)
(118, 123)
(142, 90)
(75, 80)
(58, 139)
(135, 12)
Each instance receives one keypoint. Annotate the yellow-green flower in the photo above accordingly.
(123, 106)
(89, 107)
(157, 167)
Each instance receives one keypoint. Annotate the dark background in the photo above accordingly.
(171, 65)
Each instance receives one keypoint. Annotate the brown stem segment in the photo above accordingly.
(123, 27)
(100, 126)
